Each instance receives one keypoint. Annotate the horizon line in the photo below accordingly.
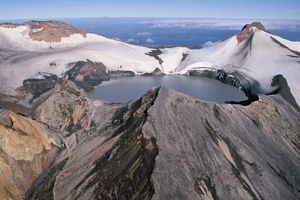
(131, 17)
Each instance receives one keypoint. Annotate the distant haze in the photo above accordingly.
(169, 32)
(192, 33)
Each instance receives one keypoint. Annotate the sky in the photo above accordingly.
(233, 9)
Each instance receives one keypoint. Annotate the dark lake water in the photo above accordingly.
(128, 88)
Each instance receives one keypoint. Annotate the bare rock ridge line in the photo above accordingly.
(133, 150)
(164, 145)
(109, 155)
(200, 144)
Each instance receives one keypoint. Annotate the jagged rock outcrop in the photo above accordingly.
(27, 148)
(68, 108)
(38, 86)
(156, 72)
(248, 85)
(87, 74)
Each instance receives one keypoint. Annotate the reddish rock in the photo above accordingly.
(246, 30)
(48, 31)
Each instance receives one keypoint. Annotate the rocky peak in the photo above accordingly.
(247, 30)
(52, 31)
(87, 74)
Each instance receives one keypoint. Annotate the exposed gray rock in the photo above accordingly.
(87, 74)
(15, 104)
(120, 73)
(250, 87)
(113, 160)
(68, 108)
(210, 151)
(184, 56)
(205, 151)
(167, 145)
(284, 90)
(156, 72)
(38, 86)
(155, 54)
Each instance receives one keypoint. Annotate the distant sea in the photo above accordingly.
(164, 32)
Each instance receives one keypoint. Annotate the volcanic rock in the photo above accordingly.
(27, 148)
(167, 145)
(87, 74)
(247, 30)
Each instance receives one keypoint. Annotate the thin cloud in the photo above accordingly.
(149, 40)
(144, 34)
(227, 24)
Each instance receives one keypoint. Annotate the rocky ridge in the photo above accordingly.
(164, 145)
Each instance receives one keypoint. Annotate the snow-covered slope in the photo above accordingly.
(22, 57)
(261, 56)
(254, 52)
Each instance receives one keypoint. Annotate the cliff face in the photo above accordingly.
(109, 156)
(208, 151)
(27, 148)
(167, 145)
(66, 109)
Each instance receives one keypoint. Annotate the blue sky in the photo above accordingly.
(254, 9)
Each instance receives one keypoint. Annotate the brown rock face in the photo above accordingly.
(25, 152)
(87, 74)
(246, 30)
(48, 31)
(52, 31)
